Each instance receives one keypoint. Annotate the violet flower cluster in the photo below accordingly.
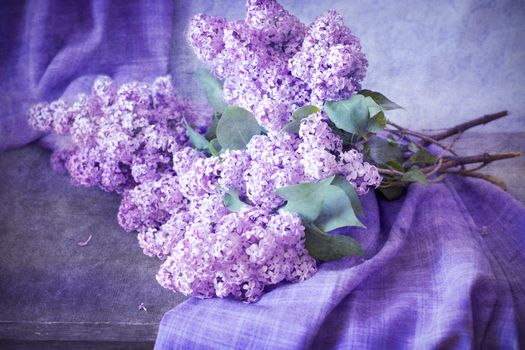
(211, 251)
(208, 249)
(271, 63)
(132, 140)
(118, 136)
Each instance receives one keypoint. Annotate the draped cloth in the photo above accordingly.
(445, 269)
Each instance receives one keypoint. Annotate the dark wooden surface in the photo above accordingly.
(56, 294)
(53, 289)
(77, 345)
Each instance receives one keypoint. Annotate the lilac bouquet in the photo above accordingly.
(246, 195)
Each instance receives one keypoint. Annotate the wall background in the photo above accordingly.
(444, 61)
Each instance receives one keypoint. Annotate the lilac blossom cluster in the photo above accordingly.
(211, 251)
(132, 140)
(118, 136)
(271, 63)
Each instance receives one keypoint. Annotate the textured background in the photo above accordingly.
(444, 61)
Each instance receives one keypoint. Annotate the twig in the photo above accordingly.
(428, 140)
(470, 124)
(452, 161)
(448, 162)
(453, 142)
(437, 167)
(390, 172)
(492, 179)
(482, 165)
(416, 134)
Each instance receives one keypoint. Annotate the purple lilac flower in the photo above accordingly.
(252, 57)
(210, 251)
(330, 60)
(359, 173)
(120, 136)
(131, 139)
(322, 156)
(151, 203)
(274, 163)
(271, 63)
(247, 251)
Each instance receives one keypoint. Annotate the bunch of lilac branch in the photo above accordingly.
(133, 140)
(118, 137)
(271, 63)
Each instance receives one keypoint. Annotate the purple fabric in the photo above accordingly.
(56, 48)
(445, 269)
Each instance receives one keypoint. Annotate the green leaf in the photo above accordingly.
(231, 201)
(396, 166)
(292, 127)
(380, 99)
(347, 138)
(358, 115)
(422, 156)
(377, 123)
(343, 184)
(349, 115)
(304, 112)
(336, 211)
(197, 140)
(392, 193)
(373, 107)
(212, 87)
(305, 199)
(381, 151)
(326, 247)
(215, 147)
(415, 175)
(413, 147)
(236, 127)
(298, 115)
(211, 133)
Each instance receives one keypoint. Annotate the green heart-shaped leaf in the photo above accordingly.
(422, 156)
(415, 175)
(336, 211)
(349, 115)
(236, 127)
(326, 247)
(382, 151)
(380, 99)
(305, 199)
(343, 184)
